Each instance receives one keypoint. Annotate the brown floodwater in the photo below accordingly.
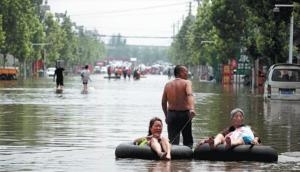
(44, 131)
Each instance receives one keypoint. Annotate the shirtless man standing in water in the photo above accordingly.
(178, 106)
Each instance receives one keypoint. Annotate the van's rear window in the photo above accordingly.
(286, 75)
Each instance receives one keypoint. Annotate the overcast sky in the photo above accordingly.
(141, 18)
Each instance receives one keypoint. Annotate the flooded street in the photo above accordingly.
(44, 131)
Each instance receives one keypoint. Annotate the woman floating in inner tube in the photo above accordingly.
(159, 144)
(237, 134)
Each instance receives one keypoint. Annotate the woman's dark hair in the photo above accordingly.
(151, 123)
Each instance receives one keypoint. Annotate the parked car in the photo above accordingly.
(50, 71)
(103, 70)
(282, 82)
(97, 69)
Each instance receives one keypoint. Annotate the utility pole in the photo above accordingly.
(190, 9)
(198, 1)
(173, 30)
(291, 44)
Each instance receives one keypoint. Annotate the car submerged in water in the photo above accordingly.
(282, 82)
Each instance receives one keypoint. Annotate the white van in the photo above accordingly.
(282, 82)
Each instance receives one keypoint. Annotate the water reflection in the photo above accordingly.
(169, 166)
(283, 117)
(160, 166)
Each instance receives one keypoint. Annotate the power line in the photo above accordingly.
(151, 37)
(129, 10)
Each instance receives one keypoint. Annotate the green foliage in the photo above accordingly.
(29, 33)
(55, 37)
(180, 51)
(223, 27)
(18, 24)
(2, 34)
(66, 52)
(202, 43)
(90, 48)
(228, 18)
(215, 36)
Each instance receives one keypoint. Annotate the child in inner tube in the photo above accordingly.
(237, 134)
(158, 143)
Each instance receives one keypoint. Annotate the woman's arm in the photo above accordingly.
(256, 141)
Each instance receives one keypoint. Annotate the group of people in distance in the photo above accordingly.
(178, 107)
